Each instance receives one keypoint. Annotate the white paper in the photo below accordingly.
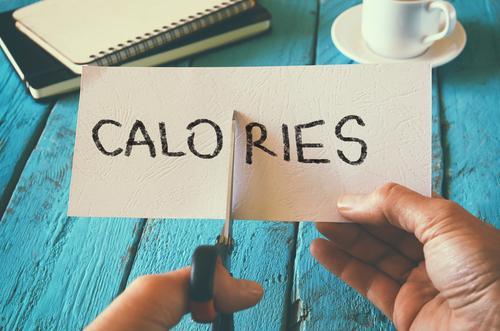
(393, 101)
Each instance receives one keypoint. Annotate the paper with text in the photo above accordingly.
(153, 142)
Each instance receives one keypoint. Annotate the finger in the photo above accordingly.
(151, 302)
(377, 287)
(233, 294)
(401, 207)
(355, 241)
(158, 302)
(402, 241)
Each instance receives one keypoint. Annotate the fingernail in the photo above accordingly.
(347, 202)
(253, 289)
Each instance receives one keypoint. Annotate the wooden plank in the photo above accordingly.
(323, 301)
(437, 148)
(264, 250)
(21, 122)
(470, 89)
(58, 272)
(326, 52)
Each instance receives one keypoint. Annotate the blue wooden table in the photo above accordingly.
(59, 273)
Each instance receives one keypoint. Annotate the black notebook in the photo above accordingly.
(45, 76)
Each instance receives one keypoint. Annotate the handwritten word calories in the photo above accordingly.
(140, 136)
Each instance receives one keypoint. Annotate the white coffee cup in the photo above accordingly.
(405, 28)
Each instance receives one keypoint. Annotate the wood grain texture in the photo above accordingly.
(264, 250)
(437, 148)
(61, 272)
(470, 89)
(326, 303)
(21, 122)
(58, 273)
(326, 52)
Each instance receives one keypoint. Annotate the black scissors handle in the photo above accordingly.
(201, 287)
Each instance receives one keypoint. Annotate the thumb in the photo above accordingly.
(158, 302)
(405, 209)
(233, 294)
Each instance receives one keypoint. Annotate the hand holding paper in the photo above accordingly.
(151, 141)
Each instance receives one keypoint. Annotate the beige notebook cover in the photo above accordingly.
(108, 32)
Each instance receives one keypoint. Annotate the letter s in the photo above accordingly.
(364, 147)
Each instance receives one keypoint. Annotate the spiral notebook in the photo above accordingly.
(45, 76)
(110, 32)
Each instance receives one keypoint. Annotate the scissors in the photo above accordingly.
(205, 258)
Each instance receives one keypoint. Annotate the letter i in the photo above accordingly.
(286, 142)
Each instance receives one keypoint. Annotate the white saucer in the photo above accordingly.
(346, 35)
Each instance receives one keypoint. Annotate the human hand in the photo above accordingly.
(158, 302)
(426, 263)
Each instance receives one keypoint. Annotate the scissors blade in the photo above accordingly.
(228, 224)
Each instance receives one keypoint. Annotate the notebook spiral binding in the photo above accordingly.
(171, 32)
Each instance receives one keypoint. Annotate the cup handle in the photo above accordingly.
(450, 16)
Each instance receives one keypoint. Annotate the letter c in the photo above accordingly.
(97, 141)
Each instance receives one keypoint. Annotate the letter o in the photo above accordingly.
(218, 133)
